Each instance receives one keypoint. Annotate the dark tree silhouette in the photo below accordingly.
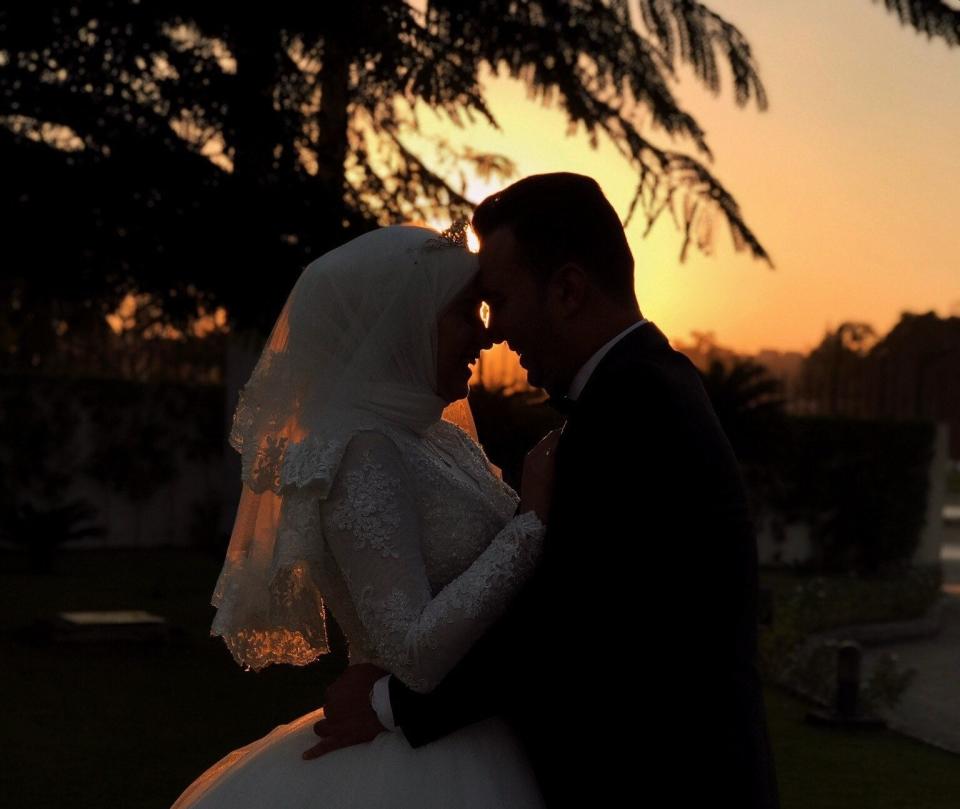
(832, 373)
(749, 403)
(204, 153)
(912, 373)
(935, 18)
(915, 371)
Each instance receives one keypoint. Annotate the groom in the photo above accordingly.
(627, 665)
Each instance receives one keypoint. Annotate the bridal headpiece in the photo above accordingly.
(354, 348)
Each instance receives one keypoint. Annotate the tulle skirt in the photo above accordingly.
(481, 766)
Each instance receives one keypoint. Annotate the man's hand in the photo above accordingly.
(349, 718)
(536, 489)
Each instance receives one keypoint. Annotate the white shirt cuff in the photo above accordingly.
(380, 702)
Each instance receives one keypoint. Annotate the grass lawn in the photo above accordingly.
(106, 725)
(821, 768)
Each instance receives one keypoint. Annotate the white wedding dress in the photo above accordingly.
(421, 553)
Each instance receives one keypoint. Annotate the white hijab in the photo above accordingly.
(355, 347)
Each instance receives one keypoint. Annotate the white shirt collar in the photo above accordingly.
(583, 375)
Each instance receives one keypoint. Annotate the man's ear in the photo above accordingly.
(569, 288)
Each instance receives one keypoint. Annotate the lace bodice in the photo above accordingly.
(420, 548)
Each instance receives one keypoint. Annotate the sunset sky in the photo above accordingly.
(849, 179)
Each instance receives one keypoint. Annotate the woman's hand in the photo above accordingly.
(536, 486)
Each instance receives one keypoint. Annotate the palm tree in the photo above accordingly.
(833, 372)
(749, 403)
(935, 18)
(204, 153)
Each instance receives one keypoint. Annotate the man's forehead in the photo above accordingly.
(489, 279)
(497, 258)
(499, 243)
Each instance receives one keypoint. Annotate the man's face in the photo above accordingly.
(518, 310)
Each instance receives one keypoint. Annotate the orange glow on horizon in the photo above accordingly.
(124, 319)
(499, 369)
(848, 179)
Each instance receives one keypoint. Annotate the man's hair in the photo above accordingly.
(559, 218)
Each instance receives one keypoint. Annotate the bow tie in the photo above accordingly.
(564, 405)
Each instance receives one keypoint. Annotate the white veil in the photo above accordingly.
(355, 347)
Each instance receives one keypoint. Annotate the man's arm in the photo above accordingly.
(348, 719)
(420, 635)
(364, 701)
(493, 676)
(380, 702)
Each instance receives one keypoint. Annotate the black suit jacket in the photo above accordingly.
(627, 664)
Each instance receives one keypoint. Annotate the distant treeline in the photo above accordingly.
(911, 373)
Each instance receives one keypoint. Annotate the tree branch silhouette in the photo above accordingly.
(223, 148)
(933, 18)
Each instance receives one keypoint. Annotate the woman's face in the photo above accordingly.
(461, 336)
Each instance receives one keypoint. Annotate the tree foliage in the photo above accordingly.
(749, 403)
(936, 19)
(204, 153)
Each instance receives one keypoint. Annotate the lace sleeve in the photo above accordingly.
(371, 524)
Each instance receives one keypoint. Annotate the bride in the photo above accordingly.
(365, 493)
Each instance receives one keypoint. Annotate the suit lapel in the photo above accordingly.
(644, 342)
